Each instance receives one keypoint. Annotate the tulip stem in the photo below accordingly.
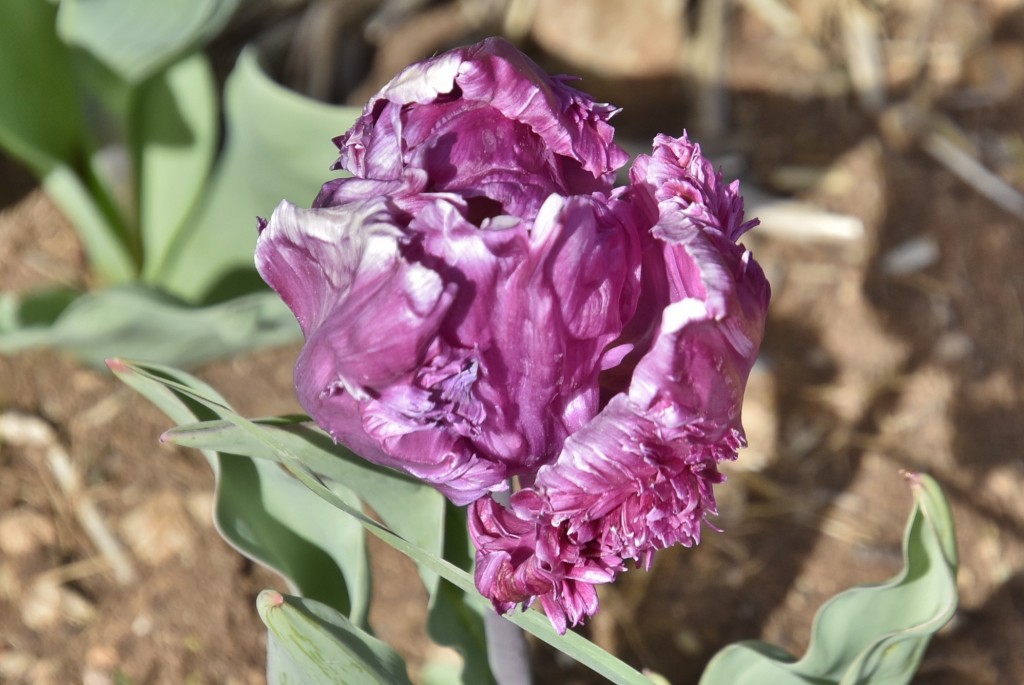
(507, 653)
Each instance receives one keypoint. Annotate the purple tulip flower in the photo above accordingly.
(480, 304)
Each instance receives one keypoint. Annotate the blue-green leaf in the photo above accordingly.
(41, 123)
(137, 39)
(278, 147)
(173, 140)
(35, 309)
(571, 644)
(109, 256)
(266, 514)
(312, 644)
(133, 320)
(875, 634)
(454, 619)
(410, 508)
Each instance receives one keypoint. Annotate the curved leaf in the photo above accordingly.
(272, 517)
(412, 509)
(173, 139)
(265, 513)
(278, 147)
(871, 634)
(312, 644)
(415, 511)
(134, 320)
(34, 309)
(40, 125)
(454, 620)
(108, 254)
(137, 39)
(571, 644)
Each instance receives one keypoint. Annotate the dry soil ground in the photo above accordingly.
(897, 347)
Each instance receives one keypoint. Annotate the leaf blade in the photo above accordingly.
(132, 319)
(869, 634)
(173, 139)
(571, 644)
(259, 527)
(41, 126)
(278, 146)
(412, 509)
(310, 643)
(137, 39)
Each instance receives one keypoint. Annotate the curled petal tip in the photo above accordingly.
(480, 304)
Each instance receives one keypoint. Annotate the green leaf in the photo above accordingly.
(39, 125)
(264, 512)
(278, 147)
(131, 319)
(173, 139)
(108, 172)
(415, 511)
(276, 522)
(137, 39)
(454, 619)
(311, 644)
(34, 309)
(43, 126)
(109, 256)
(571, 644)
(410, 508)
(870, 634)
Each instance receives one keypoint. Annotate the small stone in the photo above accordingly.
(23, 531)
(76, 609)
(103, 657)
(159, 529)
(40, 609)
(48, 603)
(15, 666)
(142, 625)
(100, 662)
(689, 641)
(910, 256)
(200, 506)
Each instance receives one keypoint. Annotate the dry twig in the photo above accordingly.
(31, 431)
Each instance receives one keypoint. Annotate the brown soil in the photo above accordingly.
(873, 363)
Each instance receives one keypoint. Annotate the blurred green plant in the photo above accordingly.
(871, 635)
(114, 106)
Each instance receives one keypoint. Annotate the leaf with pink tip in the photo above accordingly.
(311, 643)
(873, 634)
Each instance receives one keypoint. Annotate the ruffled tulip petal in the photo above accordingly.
(677, 171)
(481, 306)
(639, 476)
(485, 110)
(559, 292)
(522, 556)
(311, 257)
